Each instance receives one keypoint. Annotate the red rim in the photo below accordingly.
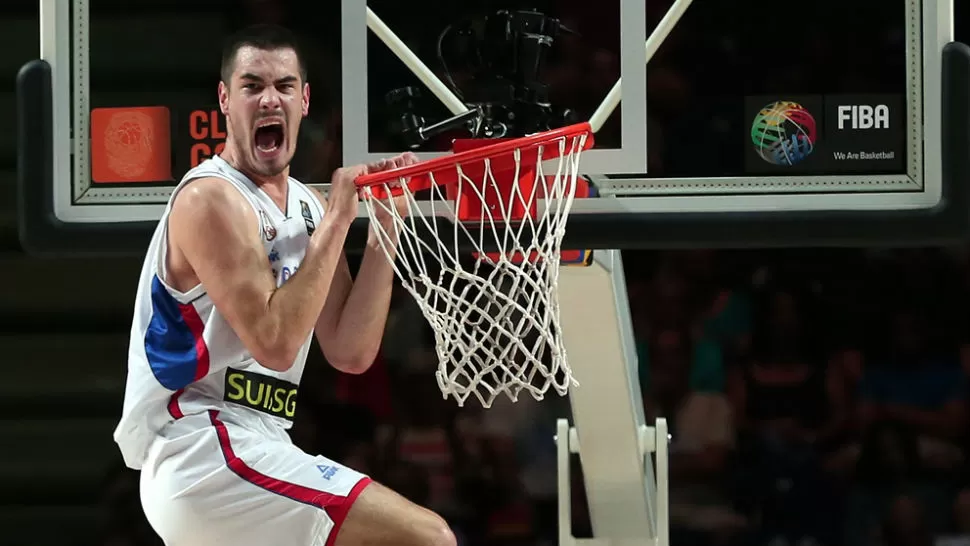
(443, 168)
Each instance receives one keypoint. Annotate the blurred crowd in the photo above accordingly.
(814, 398)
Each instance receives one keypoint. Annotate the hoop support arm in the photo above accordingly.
(607, 405)
(414, 64)
(652, 441)
(656, 39)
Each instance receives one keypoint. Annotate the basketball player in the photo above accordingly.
(245, 265)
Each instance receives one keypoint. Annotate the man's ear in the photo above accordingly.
(306, 99)
(223, 98)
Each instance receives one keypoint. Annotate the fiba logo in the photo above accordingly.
(783, 133)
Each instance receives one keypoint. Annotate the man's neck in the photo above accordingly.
(277, 181)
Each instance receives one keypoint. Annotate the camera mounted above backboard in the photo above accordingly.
(503, 54)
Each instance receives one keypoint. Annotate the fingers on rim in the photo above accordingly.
(377, 166)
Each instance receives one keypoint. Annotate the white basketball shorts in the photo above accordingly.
(208, 481)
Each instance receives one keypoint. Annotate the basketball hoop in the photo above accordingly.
(496, 316)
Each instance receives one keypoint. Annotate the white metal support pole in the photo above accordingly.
(610, 433)
(656, 38)
(421, 70)
(653, 443)
(55, 49)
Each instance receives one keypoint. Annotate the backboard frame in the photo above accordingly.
(49, 226)
(929, 27)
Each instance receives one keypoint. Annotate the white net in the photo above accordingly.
(495, 316)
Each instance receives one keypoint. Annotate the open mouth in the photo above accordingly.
(269, 137)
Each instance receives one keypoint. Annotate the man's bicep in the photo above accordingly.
(217, 231)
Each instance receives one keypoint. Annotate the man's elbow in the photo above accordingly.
(351, 358)
(354, 364)
(276, 354)
(274, 360)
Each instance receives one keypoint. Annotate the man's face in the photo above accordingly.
(264, 102)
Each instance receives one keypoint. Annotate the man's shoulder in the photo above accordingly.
(206, 190)
(209, 201)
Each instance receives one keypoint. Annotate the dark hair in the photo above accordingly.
(262, 36)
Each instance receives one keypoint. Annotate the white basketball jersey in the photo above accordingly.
(183, 358)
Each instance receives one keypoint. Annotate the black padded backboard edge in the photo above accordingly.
(42, 234)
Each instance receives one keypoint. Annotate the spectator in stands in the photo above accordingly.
(841, 450)
(786, 387)
(919, 386)
(905, 525)
(702, 446)
(888, 468)
(784, 407)
(959, 533)
(664, 303)
(422, 436)
(371, 389)
(783, 393)
(723, 312)
(510, 515)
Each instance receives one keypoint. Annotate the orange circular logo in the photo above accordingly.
(128, 141)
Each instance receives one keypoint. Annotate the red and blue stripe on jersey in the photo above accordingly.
(174, 344)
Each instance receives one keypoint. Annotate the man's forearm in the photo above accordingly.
(295, 306)
(364, 314)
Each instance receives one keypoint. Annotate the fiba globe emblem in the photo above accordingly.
(783, 133)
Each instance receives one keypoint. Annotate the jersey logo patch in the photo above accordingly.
(307, 217)
(269, 230)
(259, 392)
(327, 471)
